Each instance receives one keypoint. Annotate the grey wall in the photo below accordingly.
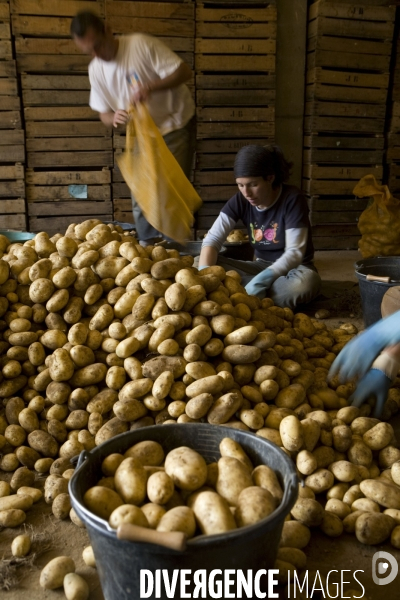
(290, 77)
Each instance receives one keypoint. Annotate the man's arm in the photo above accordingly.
(111, 119)
(141, 92)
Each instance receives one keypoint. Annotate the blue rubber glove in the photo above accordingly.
(261, 283)
(358, 355)
(202, 267)
(374, 383)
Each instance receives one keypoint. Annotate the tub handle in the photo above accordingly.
(377, 278)
(80, 459)
(175, 540)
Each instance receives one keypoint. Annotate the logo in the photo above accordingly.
(386, 560)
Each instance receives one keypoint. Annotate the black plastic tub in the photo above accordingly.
(191, 247)
(372, 292)
(252, 547)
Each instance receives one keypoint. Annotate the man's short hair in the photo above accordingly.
(85, 20)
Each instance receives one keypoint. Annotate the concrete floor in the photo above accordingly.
(324, 554)
(337, 265)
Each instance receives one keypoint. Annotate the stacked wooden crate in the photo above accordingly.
(66, 144)
(393, 137)
(12, 147)
(171, 22)
(235, 94)
(349, 50)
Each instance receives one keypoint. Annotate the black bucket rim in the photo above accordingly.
(362, 263)
(289, 498)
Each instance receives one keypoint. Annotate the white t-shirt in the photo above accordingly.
(150, 59)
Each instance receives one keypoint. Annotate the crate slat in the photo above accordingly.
(62, 144)
(61, 223)
(9, 189)
(159, 10)
(69, 159)
(52, 193)
(81, 207)
(67, 177)
(341, 172)
(61, 8)
(66, 129)
(229, 130)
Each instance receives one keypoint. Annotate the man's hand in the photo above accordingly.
(121, 117)
(140, 92)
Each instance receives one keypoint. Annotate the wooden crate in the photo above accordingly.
(235, 51)
(365, 22)
(169, 19)
(48, 194)
(12, 214)
(123, 210)
(334, 237)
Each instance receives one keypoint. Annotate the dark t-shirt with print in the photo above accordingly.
(266, 228)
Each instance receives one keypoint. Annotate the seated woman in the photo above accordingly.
(276, 216)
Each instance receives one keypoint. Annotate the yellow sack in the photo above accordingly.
(160, 187)
(379, 224)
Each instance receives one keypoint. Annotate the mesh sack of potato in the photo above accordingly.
(379, 224)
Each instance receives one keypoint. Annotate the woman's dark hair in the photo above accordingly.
(85, 20)
(262, 161)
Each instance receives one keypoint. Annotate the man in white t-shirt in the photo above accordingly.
(138, 68)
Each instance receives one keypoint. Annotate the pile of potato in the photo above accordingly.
(99, 335)
(181, 492)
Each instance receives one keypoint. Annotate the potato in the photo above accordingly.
(212, 384)
(241, 354)
(102, 501)
(320, 481)
(149, 453)
(291, 433)
(88, 557)
(61, 506)
(180, 518)
(254, 504)
(52, 576)
(186, 467)
(224, 407)
(384, 493)
(75, 587)
(21, 545)
(373, 528)
(343, 470)
(130, 481)
(43, 443)
(306, 462)
(338, 507)
(294, 535)
(128, 513)
(291, 396)
(12, 517)
(294, 556)
(160, 488)
(308, 511)
(212, 513)
(229, 447)
(233, 477)
(378, 436)
(331, 525)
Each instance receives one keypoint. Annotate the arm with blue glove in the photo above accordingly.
(261, 283)
(357, 356)
(377, 381)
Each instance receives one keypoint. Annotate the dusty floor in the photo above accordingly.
(324, 554)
